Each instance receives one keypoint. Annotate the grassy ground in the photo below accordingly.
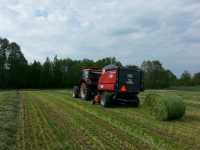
(9, 107)
(186, 88)
(52, 120)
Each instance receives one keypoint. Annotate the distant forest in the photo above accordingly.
(16, 72)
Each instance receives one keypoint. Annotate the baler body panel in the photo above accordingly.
(131, 79)
(107, 80)
(114, 80)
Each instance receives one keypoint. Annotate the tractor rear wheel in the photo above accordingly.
(106, 99)
(85, 92)
(75, 92)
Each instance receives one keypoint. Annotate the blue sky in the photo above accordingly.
(130, 30)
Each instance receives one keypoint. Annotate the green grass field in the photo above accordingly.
(53, 120)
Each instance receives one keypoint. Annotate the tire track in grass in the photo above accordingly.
(40, 135)
(183, 125)
(45, 140)
(140, 140)
(125, 123)
(106, 136)
(49, 135)
(21, 126)
(46, 127)
(28, 134)
(43, 112)
(31, 141)
(74, 124)
(183, 133)
(88, 121)
(162, 136)
(50, 114)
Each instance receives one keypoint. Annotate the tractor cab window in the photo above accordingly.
(90, 74)
(94, 75)
(85, 74)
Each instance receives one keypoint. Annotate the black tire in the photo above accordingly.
(135, 102)
(85, 93)
(75, 92)
(93, 102)
(106, 99)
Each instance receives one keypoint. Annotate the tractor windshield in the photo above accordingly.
(94, 75)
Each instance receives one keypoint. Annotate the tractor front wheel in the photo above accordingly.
(75, 92)
(85, 92)
(106, 99)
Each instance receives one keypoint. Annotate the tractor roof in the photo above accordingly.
(91, 69)
(114, 67)
(110, 67)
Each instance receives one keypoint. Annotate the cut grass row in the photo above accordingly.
(184, 129)
(80, 129)
(184, 135)
(9, 107)
(53, 120)
(76, 124)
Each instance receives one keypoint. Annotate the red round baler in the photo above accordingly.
(111, 84)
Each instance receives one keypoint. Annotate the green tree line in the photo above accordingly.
(16, 72)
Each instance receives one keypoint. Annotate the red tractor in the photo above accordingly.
(110, 84)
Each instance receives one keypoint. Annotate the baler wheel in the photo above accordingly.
(106, 99)
(85, 92)
(136, 101)
(75, 92)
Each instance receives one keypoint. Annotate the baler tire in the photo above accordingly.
(136, 102)
(86, 94)
(93, 102)
(106, 99)
(75, 92)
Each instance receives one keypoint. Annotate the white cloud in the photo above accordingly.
(131, 30)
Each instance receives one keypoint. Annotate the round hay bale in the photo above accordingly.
(165, 107)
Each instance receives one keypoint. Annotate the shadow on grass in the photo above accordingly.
(122, 104)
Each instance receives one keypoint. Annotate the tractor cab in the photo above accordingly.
(88, 83)
(90, 75)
